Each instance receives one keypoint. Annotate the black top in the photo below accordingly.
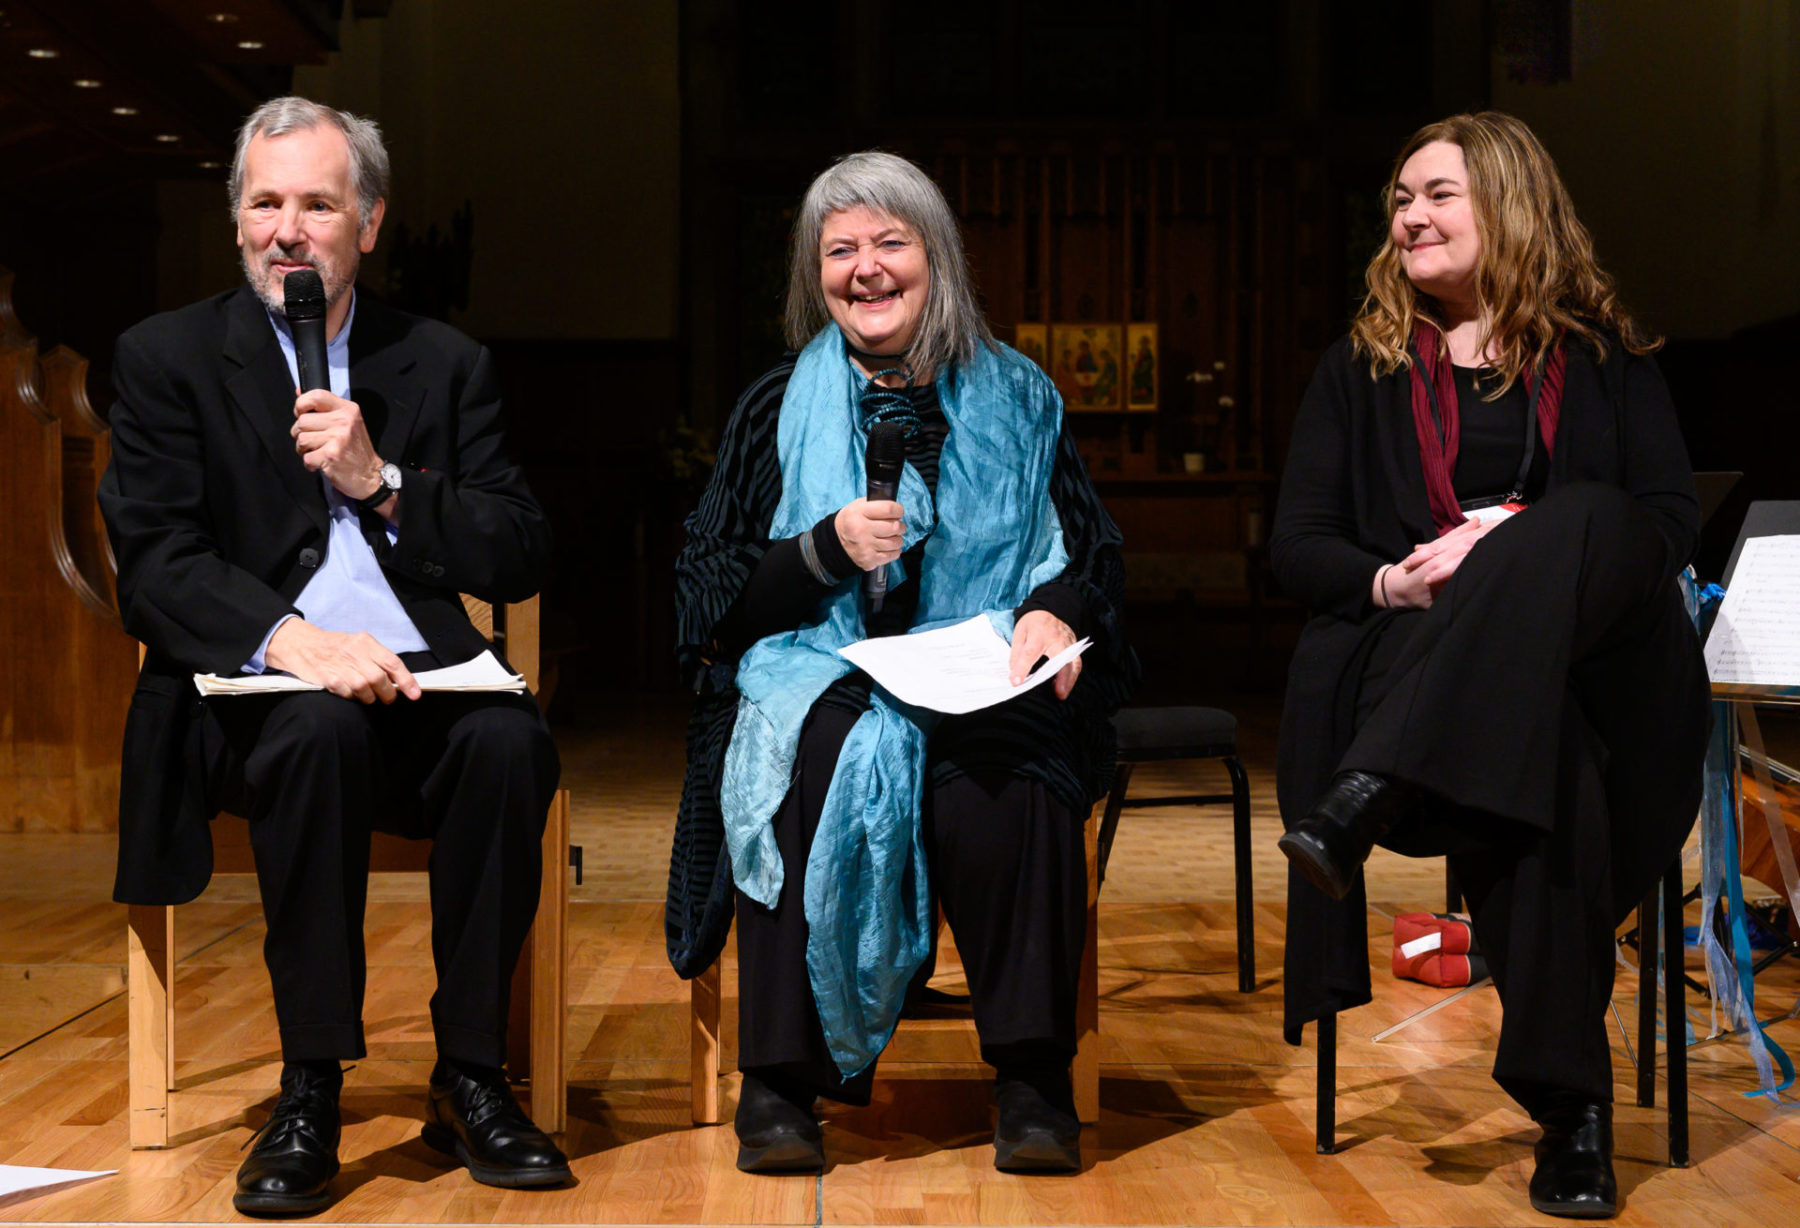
(1493, 438)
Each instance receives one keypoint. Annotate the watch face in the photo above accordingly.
(390, 477)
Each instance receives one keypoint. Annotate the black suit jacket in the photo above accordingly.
(217, 525)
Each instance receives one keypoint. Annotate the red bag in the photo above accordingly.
(1437, 949)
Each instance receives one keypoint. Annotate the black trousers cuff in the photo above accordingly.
(323, 1042)
(1028, 1053)
(819, 1078)
(474, 1045)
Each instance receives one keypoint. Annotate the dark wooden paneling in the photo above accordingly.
(1209, 236)
(66, 668)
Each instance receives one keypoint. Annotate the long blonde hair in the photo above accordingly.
(1536, 277)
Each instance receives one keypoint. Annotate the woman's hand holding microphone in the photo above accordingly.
(872, 534)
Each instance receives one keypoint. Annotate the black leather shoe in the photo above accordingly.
(777, 1133)
(1330, 844)
(1034, 1135)
(295, 1156)
(1574, 1175)
(478, 1121)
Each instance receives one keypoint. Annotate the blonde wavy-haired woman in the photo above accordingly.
(1486, 503)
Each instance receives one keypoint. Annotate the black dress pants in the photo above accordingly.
(1009, 869)
(315, 774)
(1553, 704)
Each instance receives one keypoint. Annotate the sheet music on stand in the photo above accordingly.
(1753, 651)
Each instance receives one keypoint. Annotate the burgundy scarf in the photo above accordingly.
(1440, 458)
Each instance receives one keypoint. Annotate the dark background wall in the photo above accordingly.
(601, 192)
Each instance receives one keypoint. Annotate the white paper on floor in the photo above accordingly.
(16, 1180)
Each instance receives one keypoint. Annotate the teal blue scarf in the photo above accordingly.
(992, 538)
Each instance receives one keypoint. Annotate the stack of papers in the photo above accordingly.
(957, 669)
(484, 673)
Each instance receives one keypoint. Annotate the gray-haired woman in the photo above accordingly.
(845, 815)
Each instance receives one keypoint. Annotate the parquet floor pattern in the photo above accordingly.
(1207, 1115)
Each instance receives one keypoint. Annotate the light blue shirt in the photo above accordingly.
(349, 593)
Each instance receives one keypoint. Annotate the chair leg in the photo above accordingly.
(1085, 1071)
(703, 1029)
(1246, 905)
(1452, 893)
(549, 943)
(1325, 1086)
(1109, 826)
(150, 1027)
(1675, 1012)
(519, 1064)
(1647, 963)
(537, 1013)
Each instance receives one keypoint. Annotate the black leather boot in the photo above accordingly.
(1330, 844)
(776, 1129)
(1574, 1174)
(289, 1170)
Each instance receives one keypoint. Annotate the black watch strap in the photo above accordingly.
(372, 503)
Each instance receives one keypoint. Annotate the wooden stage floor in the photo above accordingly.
(1206, 1114)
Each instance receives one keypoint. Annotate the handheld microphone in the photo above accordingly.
(303, 297)
(882, 459)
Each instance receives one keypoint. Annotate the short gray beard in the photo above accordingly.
(271, 291)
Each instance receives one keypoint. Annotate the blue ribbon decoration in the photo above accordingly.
(1733, 984)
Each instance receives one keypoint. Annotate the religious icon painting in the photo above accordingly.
(1141, 354)
(1031, 340)
(1087, 365)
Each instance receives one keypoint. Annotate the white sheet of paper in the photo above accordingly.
(956, 669)
(1755, 641)
(484, 673)
(15, 1180)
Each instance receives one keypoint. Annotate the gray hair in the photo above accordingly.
(952, 324)
(280, 116)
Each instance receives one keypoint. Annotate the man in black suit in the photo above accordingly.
(329, 535)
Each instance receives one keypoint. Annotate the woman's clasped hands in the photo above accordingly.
(1415, 581)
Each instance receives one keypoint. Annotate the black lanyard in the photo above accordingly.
(1531, 425)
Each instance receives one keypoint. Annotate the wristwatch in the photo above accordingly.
(390, 486)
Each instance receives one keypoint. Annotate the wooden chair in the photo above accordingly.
(704, 994)
(539, 997)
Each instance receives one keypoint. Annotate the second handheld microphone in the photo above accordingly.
(882, 459)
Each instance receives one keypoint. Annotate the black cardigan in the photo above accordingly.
(1068, 744)
(1352, 499)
